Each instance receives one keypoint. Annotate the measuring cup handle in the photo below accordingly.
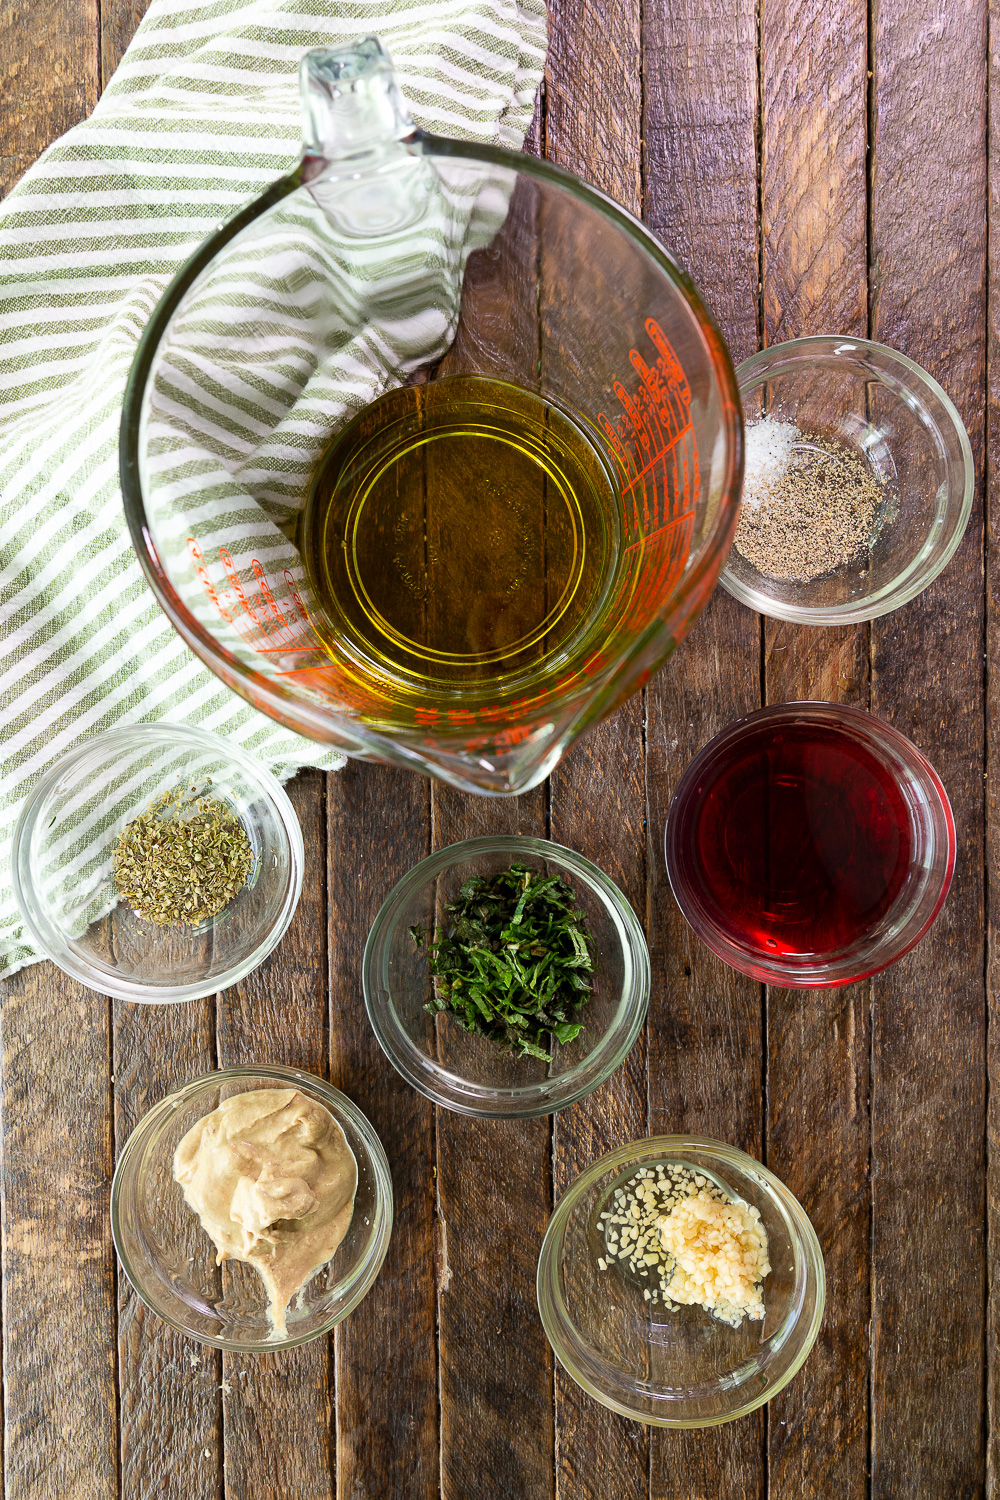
(351, 104)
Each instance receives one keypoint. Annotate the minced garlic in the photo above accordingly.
(689, 1241)
(719, 1250)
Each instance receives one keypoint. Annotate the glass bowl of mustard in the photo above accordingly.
(671, 1360)
(137, 921)
(325, 1146)
(472, 1073)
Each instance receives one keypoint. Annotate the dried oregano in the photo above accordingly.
(183, 859)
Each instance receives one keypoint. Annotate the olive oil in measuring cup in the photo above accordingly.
(461, 538)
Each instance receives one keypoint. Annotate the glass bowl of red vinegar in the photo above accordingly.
(810, 845)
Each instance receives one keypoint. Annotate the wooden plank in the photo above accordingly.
(61, 1427)
(705, 1025)
(119, 18)
(494, 1199)
(278, 1014)
(815, 259)
(387, 1411)
(593, 125)
(598, 800)
(705, 1022)
(59, 1409)
(170, 1406)
(928, 240)
(992, 784)
(48, 76)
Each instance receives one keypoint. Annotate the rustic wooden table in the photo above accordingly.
(818, 165)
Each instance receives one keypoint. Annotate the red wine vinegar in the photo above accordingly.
(800, 840)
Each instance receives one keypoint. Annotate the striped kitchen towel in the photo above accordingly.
(201, 115)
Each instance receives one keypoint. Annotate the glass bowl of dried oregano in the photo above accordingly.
(157, 863)
(858, 482)
(506, 977)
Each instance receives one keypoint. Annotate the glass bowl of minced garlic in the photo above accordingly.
(680, 1283)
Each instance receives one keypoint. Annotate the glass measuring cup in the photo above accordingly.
(433, 452)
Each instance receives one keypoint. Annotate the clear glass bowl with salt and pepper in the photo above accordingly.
(858, 483)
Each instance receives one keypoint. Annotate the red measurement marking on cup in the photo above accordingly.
(260, 622)
(654, 443)
(283, 633)
(653, 440)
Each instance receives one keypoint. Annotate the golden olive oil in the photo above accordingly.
(461, 538)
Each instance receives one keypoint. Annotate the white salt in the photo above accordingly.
(768, 453)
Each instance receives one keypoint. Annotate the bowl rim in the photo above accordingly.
(914, 579)
(560, 1331)
(275, 698)
(106, 982)
(530, 1100)
(834, 972)
(338, 1104)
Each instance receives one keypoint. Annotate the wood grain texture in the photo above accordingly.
(928, 235)
(705, 1021)
(60, 1421)
(593, 94)
(699, 151)
(387, 1404)
(48, 76)
(593, 126)
(815, 279)
(169, 1386)
(61, 1045)
(597, 807)
(119, 18)
(992, 780)
(494, 1198)
(279, 1015)
(706, 1064)
(59, 1365)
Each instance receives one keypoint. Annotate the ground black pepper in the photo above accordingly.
(814, 512)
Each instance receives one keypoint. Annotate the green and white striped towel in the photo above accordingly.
(201, 115)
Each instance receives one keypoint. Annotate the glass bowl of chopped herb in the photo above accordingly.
(157, 863)
(680, 1283)
(506, 977)
(858, 482)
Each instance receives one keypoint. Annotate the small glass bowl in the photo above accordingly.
(683, 1368)
(466, 1072)
(926, 885)
(879, 403)
(169, 1258)
(62, 853)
